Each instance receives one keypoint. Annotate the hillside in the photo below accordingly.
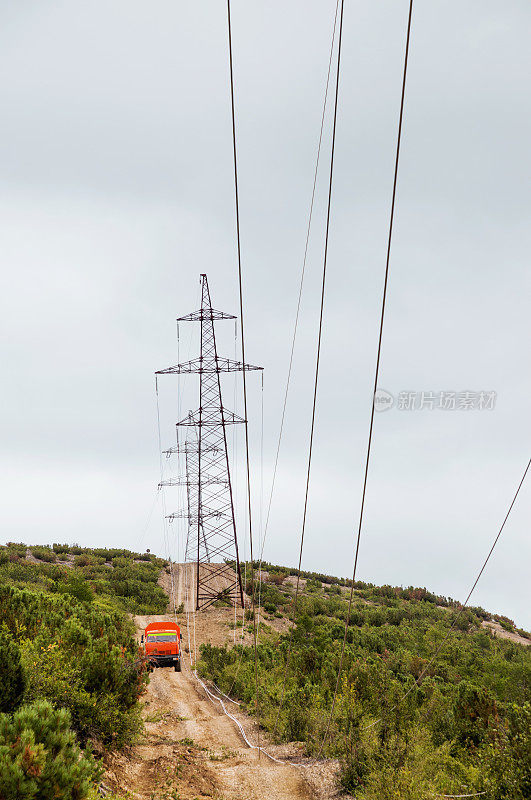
(463, 729)
(68, 643)
(69, 640)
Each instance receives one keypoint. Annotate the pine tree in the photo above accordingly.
(39, 756)
(12, 678)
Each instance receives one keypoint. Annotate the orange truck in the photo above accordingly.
(162, 645)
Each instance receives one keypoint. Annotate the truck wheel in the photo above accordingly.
(178, 666)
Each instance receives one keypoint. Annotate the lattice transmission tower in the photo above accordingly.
(212, 542)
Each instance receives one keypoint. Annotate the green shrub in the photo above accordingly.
(60, 548)
(76, 587)
(80, 658)
(508, 766)
(85, 560)
(43, 553)
(376, 618)
(39, 757)
(12, 677)
(507, 624)
(17, 549)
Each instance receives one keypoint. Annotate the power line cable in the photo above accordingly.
(242, 327)
(166, 535)
(148, 519)
(299, 299)
(301, 285)
(317, 361)
(261, 498)
(297, 315)
(465, 604)
(376, 375)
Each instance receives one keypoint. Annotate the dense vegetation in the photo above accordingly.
(110, 578)
(70, 667)
(465, 728)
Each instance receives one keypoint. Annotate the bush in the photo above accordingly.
(43, 553)
(13, 679)
(78, 588)
(506, 623)
(85, 560)
(60, 548)
(79, 658)
(17, 549)
(39, 757)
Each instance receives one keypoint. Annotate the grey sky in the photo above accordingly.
(116, 192)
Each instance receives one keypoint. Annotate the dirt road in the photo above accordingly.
(192, 751)
(186, 730)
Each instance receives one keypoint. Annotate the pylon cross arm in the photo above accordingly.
(210, 365)
(213, 419)
(205, 315)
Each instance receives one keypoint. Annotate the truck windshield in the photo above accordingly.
(161, 637)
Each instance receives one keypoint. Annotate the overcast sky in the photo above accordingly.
(116, 192)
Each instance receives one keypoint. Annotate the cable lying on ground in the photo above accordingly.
(212, 697)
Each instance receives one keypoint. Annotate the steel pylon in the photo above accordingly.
(212, 541)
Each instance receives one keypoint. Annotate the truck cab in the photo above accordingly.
(162, 645)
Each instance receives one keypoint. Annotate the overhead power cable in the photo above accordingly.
(317, 361)
(464, 606)
(376, 376)
(148, 519)
(299, 299)
(295, 324)
(301, 284)
(242, 328)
